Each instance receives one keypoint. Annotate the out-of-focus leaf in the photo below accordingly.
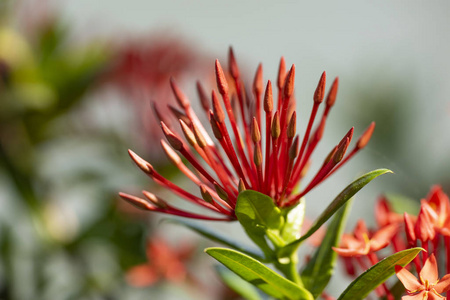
(217, 237)
(377, 274)
(320, 268)
(340, 200)
(259, 275)
(237, 284)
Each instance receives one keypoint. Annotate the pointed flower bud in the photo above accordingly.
(205, 194)
(173, 140)
(289, 83)
(158, 202)
(292, 126)
(221, 192)
(331, 97)
(320, 90)
(188, 134)
(234, 69)
(219, 115)
(258, 80)
(182, 100)
(268, 98)
(241, 185)
(293, 151)
(203, 97)
(276, 130)
(281, 73)
(222, 83)
(256, 134)
(199, 137)
(365, 138)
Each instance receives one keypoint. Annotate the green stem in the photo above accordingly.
(290, 268)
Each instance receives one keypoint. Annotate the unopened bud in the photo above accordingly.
(173, 140)
(137, 202)
(222, 84)
(188, 134)
(205, 194)
(158, 202)
(281, 73)
(182, 100)
(257, 156)
(171, 154)
(365, 137)
(215, 126)
(258, 80)
(241, 186)
(293, 151)
(179, 114)
(256, 134)
(199, 137)
(320, 90)
(340, 152)
(268, 98)
(141, 163)
(203, 96)
(292, 126)
(331, 97)
(219, 115)
(276, 130)
(234, 69)
(289, 83)
(221, 192)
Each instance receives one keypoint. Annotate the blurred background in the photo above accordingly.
(76, 81)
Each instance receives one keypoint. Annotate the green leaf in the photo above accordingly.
(237, 284)
(320, 268)
(293, 222)
(259, 275)
(340, 200)
(258, 214)
(217, 237)
(377, 274)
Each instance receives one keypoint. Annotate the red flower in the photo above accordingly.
(428, 286)
(164, 263)
(363, 243)
(267, 155)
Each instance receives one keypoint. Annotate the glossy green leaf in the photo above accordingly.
(217, 237)
(258, 214)
(237, 284)
(378, 274)
(293, 222)
(340, 200)
(259, 275)
(320, 268)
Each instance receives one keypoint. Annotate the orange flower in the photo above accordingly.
(428, 286)
(363, 243)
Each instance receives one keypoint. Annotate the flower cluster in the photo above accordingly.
(256, 146)
(430, 229)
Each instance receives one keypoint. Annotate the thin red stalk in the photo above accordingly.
(172, 210)
(306, 137)
(267, 156)
(245, 166)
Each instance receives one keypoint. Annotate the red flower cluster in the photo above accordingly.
(430, 229)
(266, 156)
